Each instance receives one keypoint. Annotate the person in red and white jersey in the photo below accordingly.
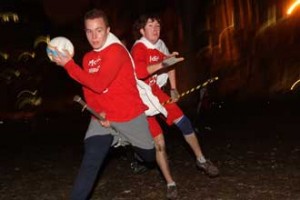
(150, 54)
(110, 88)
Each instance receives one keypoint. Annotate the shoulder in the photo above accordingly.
(161, 46)
(138, 47)
(88, 55)
(116, 47)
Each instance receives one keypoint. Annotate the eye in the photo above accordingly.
(87, 31)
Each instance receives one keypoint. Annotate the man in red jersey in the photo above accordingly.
(151, 56)
(110, 88)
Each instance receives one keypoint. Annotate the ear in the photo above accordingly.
(142, 32)
(108, 30)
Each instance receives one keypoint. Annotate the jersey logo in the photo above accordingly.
(154, 58)
(94, 65)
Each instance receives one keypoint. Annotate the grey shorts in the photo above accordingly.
(136, 132)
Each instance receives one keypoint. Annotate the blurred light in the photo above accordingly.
(221, 34)
(27, 92)
(25, 54)
(9, 16)
(28, 97)
(41, 39)
(4, 55)
(292, 7)
(294, 84)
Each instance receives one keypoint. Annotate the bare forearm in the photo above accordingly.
(172, 78)
(154, 68)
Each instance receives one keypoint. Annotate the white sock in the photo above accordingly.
(202, 159)
(171, 184)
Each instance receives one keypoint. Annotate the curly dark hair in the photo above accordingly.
(142, 21)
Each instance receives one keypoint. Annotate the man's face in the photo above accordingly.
(96, 32)
(151, 31)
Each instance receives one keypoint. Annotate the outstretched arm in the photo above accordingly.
(172, 78)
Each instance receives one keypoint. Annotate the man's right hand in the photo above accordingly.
(61, 58)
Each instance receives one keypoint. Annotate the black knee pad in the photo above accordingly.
(185, 126)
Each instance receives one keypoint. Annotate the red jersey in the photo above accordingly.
(109, 84)
(143, 57)
(145, 54)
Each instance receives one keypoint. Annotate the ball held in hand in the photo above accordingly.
(61, 44)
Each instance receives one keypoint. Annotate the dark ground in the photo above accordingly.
(255, 145)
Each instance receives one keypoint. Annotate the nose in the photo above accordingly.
(94, 35)
(157, 29)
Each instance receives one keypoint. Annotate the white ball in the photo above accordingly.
(61, 44)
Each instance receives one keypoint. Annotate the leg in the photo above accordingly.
(192, 140)
(96, 149)
(176, 116)
(162, 158)
(137, 133)
(136, 163)
(147, 155)
(141, 152)
(162, 161)
(186, 128)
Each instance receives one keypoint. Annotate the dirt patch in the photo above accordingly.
(258, 155)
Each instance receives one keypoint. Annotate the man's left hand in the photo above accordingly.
(105, 123)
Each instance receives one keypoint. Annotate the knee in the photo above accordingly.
(147, 155)
(160, 145)
(185, 126)
(96, 148)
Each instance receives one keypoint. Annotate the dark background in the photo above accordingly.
(251, 45)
